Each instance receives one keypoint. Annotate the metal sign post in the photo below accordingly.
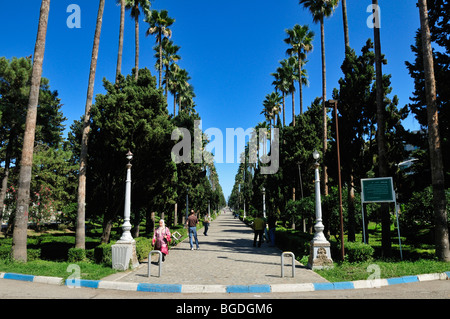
(379, 190)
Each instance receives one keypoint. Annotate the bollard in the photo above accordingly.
(150, 261)
(282, 263)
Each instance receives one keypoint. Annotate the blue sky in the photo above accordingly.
(229, 48)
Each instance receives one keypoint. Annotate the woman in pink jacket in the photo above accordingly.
(162, 238)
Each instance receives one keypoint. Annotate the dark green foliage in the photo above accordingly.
(76, 254)
(358, 252)
(103, 254)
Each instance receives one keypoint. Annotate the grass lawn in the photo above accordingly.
(88, 270)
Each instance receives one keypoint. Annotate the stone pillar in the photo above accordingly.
(320, 254)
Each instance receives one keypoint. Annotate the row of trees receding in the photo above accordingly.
(373, 141)
(82, 178)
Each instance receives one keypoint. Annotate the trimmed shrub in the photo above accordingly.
(76, 254)
(143, 248)
(358, 252)
(103, 254)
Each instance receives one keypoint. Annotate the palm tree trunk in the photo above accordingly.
(434, 141)
(293, 106)
(80, 230)
(160, 58)
(300, 81)
(121, 32)
(284, 113)
(19, 247)
(324, 98)
(136, 36)
(344, 16)
(381, 128)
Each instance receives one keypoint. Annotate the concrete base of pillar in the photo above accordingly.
(124, 255)
(320, 255)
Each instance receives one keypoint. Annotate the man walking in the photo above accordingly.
(258, 225)
(191, 223)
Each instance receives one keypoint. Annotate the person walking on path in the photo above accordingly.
(206, 222)
(258, 226)
(191, 223)
(161, 239)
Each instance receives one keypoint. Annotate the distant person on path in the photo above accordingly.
(258, 226)
(191, 223)
(161, 239)
(206, 222)
(272, 222)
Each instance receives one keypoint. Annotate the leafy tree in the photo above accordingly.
(130, 116)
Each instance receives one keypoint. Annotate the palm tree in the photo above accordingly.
(169, 55)
(172, 83)
(183, 91)
(272, 107)
(320, 9)
(288, 73)
(80, 229)
(345, 20)
(159, 22)
(381, 128)
(300, 39)
(437, 169)
(19, 247)
(121, 32)
(280, 85)
(135, 13)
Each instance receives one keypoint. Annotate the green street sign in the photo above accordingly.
(377, 190)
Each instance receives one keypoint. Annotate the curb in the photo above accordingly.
(277, 288)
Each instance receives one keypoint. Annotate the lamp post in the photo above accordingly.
(124, 251)
(318, 227)
(264, 202)
(320, 254)
(126, 227)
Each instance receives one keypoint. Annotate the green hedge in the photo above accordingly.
(103, 254)
(143, 248)
(294, 241)
(358, 252)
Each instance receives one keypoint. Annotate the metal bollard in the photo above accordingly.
(150, 261)
(282, 263)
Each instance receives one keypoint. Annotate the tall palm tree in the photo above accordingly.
(121, 33)
(159, 22)
(80, 229)
(183, 88)
(320, 9)
(345, 20)
(381, 128)
(289, 73)
(172, 83)
(280, 84)
(169, 56)
(437, 169)
(300, 39)
(272, 107)
(19, 247)
(134, 6)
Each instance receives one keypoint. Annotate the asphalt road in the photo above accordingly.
(13, 289)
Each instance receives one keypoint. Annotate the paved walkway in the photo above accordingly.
(226, 257)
